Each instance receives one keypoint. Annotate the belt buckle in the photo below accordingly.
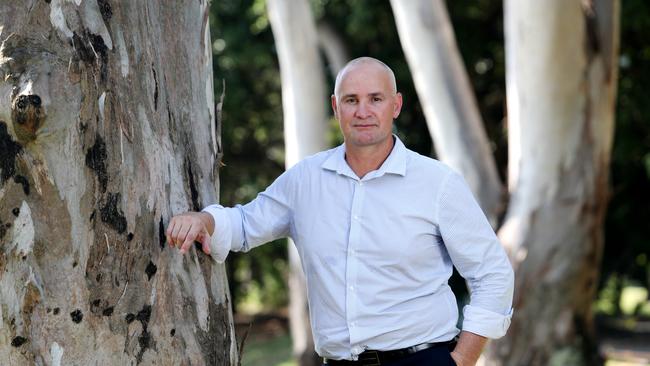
(370, 358)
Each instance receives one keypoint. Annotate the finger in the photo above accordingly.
(204, 239)
(178, 234)
(202, 236)
(187, 244)
(170, 230)
(192, 235)
(183, 233)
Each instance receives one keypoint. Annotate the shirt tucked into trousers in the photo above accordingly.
(377, 252)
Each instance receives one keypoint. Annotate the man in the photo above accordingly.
(377, 227)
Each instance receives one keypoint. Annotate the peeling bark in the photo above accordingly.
(561, 84)
(106, 131)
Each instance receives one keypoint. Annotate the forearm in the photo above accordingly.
(468, 349)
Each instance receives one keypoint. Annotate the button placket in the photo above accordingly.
(353, 263)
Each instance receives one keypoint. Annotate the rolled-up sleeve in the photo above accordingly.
(479, 257)
(225, 237)
(266, 218)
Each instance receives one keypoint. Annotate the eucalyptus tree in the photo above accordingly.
(107, 128)
(446, 96)
(305, 133)
(561, 78)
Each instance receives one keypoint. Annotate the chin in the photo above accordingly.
(366, 140)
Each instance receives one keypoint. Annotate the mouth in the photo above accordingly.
(364, 125)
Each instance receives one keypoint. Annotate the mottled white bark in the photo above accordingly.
(561, 85)
(304, 103)
(446, 96)
(106, 130)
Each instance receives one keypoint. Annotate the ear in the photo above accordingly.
(334, 106)
(397, 108)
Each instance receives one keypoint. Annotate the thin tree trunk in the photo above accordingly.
(561, 84)
(305, 126)
(333, 47)
(446, 96)
(106, 130)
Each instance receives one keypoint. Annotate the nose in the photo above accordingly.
(362, 111)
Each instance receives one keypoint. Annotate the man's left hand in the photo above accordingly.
(468, 349)
(458, 359)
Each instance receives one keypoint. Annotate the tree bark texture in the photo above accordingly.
(561, 88)
(106, 130)
(447, 99)
(305, 133)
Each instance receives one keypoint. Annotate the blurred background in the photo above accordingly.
(246, 60)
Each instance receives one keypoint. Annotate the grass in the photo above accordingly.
(274, 351)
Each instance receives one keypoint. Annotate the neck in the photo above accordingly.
(364, 159)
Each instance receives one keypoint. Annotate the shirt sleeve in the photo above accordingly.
(479, 257)
(266, 218)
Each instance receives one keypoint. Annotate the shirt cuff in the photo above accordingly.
(485, 323)
(221, 240)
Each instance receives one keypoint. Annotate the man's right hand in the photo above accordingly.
(188, 227)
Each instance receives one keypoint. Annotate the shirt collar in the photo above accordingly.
(395, 163)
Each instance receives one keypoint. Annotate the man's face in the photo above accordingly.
(366, 105)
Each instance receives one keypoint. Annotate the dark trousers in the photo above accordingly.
(436, 356)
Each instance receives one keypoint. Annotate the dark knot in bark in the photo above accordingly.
(27, 116)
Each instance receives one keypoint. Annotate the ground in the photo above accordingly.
(268, 342)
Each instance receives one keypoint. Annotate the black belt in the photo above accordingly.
(376, 358)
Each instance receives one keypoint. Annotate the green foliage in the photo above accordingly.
(261, 275)
(627, 233)
(478, 27)
(245, 58)
(633, 299)
(608, 297)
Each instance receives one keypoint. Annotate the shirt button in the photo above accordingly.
(356, 217)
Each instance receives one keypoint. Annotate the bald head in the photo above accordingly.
(362, 61)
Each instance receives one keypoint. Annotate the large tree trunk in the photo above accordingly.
(446, 95)
(106, 130)
(561, 85)
(305, 126)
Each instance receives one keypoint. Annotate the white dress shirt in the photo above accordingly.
(377, 252)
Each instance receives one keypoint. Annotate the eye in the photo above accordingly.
(350, 101)
(377, 99)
